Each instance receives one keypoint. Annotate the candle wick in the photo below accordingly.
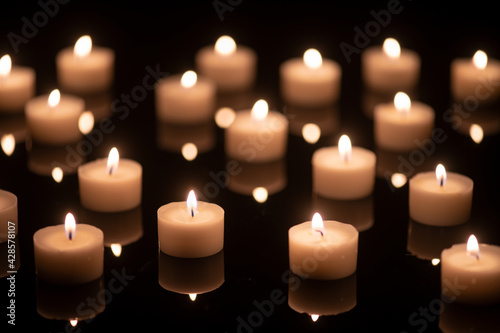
(70, 235)
(192, 212)
(441, 182)
(321, 232)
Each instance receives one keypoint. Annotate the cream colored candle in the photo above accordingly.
(70, 253)
(53, 119)
(190, 229)
(232, 67)
(8, 216)
(323, 250)
(440, 198)
(399, 126)
(17, 86)
(186, 99)
(390, 68)
(258, 135)
(343, 172)
(84, 68)
(110, 185)
(475, 269)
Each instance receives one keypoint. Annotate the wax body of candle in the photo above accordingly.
(16, 89)
(8, 216)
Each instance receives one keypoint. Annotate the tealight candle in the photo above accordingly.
(258, 135)
(190, 229)
(53, 119)
(473, 269)
(441, 198)
(399, 126)
(110, 185)
(17, 86)
(311, 81)
(343, 172)
(390, 68)
(186, 99)
(84, 68)
(472, 78)
(8, 216)
(323, 250)
(70, 253)
(232, 67)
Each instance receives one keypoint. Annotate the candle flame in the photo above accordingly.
(224, 117)
(193, 297)
(83, 46)
(54, 98)
(70, 226)
(435, 261)
(314, 317)
(317, 224)
(192, 204)
(225, 45)
(480, 59)
(345, 148)
(116, 249)
(476, 133)
(473, 247)
(113, 161)
(398, 179)
(441, 175)
(189, 79)
(313, 59)
(311, 133)
(73, 322)
(86, 122)
(189, 151)
(8, 143)
(260, 194)
(5, 65)
(57, 174)
(259, 110)
(391, 48)
(402, 103)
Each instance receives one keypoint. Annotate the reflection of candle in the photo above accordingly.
(311, 81)
(43, 159)
(8, 215)
(440, 198)
(249, 176)
(70, 253)
(459, 317)
(312, 124)
(323, 250)
(17, 85)
(475, 268)
(195, 232)
(343, 172)
(172, 137)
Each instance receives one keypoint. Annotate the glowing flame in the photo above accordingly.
(476, 133)
(402, 103)
(311, 133)
(86, 122)
(317, 224)
(83, 46)
(224, 117)
(57, 174)
(5, 65)
(54, 98)
(189, 79)
(193, 297)
(70, 226)
(260, 194)
(259, 110)
(116, 249)
(440, 175)
(313, 59)
(345, 148)
(73, 322)
(189, 151)
(8, 143)
(192, 204)
(225, 45)
(113, 161)
(473, 247)
(435, 261)
(398, 180)
(391, 48)
(480, 59)
(314, 317)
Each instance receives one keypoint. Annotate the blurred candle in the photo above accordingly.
(8, 216)
(17, 86)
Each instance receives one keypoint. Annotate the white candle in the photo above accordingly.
(400, 125)
(53, 119)
(70, 253)
(343, 172)
(390, 68)
(471, 78)
(475, 268)
(17, 86)
(186, 99)
(311, 81)
(110, 185)
(84, 68)
(8, 216)
(232, 67)
(190, 229)
(258, 135)
(440, 198)
(323, 250)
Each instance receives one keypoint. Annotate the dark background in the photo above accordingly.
(392, 283)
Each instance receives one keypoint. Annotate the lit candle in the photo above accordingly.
(190, 229)
(70, 253)
(311, 81)
(400, 125)
(85, 68)
(257, 135)
(186, 99)
(17, 86)
(8, 216)
(53, 119)
(110, 185)
(232, 67)
(390, 68)
(323, 250)
(440, 198)
(475, 268)
(471, 78)
(343, 172)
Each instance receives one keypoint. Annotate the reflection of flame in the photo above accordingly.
(224, 117)
(83, 46)
(260, 194)
(398, 180)
(189, 151)
(435, 261)
(473, 247)
(311, 133)
(312, 58)
(225, 45)
(57, 174)
(193, 297)
(314, 317)
(116, 249)
(8, 143)
(476, 133)
(86, 122)
(391, 48)
(73, 322)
